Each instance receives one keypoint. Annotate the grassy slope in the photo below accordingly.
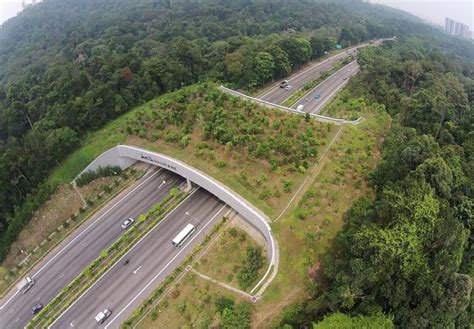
(252, 177)
(310, 225)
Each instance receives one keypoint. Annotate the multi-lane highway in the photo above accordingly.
(316, 98)
(278, 95)
(125, 286)
(83, 246)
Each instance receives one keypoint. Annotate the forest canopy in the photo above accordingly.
(67, 67)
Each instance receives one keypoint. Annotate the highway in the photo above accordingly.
(72, 255)
(327, 89)
(298, 80)
(125, 286)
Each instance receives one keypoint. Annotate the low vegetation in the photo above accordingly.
(408, 251)
(65, 73)
(89, 176)
(106, 260)
(307, 230)
(235, 259)
(196, 302)
(63, 212)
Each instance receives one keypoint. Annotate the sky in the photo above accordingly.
(431, 10)
(435, 11)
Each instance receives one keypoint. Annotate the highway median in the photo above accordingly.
(107, 259)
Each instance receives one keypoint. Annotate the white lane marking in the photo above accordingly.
(72, 323)
(166, 266)
(17, 319)
(137, 269)
(11, 310)
(8, 301)
(37, 299)
(118, 261)
(62, 275)
(92, 224)
(322, 82)
(162, 183)
(80, 234)
(316, 110)
(312, 67)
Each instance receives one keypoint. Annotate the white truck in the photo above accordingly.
(102, 316)
(25, 284)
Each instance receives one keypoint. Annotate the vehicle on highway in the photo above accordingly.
(288, 87)
(36, 308)
(126, 262)
(183, 235)
(345, 78)
(102, 316)
(317, 95)
(127, 223)
(25, 284)
(300, 107)
(284, 83)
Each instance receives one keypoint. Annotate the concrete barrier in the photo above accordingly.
(124, 156)
(318, 117)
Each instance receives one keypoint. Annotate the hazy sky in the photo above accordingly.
(432, 10)
(9, 8)
(435, 11)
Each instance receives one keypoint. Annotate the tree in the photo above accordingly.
(264, 66)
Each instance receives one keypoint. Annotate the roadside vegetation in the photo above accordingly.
(60, 215)
(106, 260)
(408, 251)
(308, 228)
(235, 259)
(196, 302)
(65, 73)
(310, 85)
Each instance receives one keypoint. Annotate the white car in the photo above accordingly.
(127, 223)
(288, 87)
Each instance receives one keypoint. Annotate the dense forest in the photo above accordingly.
(409, 253)
(67, 67)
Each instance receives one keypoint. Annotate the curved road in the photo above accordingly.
(83, 246)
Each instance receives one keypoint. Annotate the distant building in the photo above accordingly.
(457, 29)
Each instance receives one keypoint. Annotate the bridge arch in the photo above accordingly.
(125, 155)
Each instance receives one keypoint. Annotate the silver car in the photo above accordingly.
(127, 223)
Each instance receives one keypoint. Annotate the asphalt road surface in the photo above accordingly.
(67, 260)
(125, 286)
(327, 89)
(278, 95)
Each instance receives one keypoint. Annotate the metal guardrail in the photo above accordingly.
(318, 117)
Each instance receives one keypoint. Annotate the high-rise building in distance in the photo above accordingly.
(456, 28)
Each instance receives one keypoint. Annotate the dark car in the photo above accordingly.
(36, 308)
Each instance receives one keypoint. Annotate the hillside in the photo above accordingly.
(67, 67)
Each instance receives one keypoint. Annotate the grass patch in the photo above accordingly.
(193, 303)
(55, 220)
(227, 256)
(258, 152)
(307, 229)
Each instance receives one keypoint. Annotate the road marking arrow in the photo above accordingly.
(138, 268)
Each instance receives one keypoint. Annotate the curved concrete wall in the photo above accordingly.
(124, 156)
